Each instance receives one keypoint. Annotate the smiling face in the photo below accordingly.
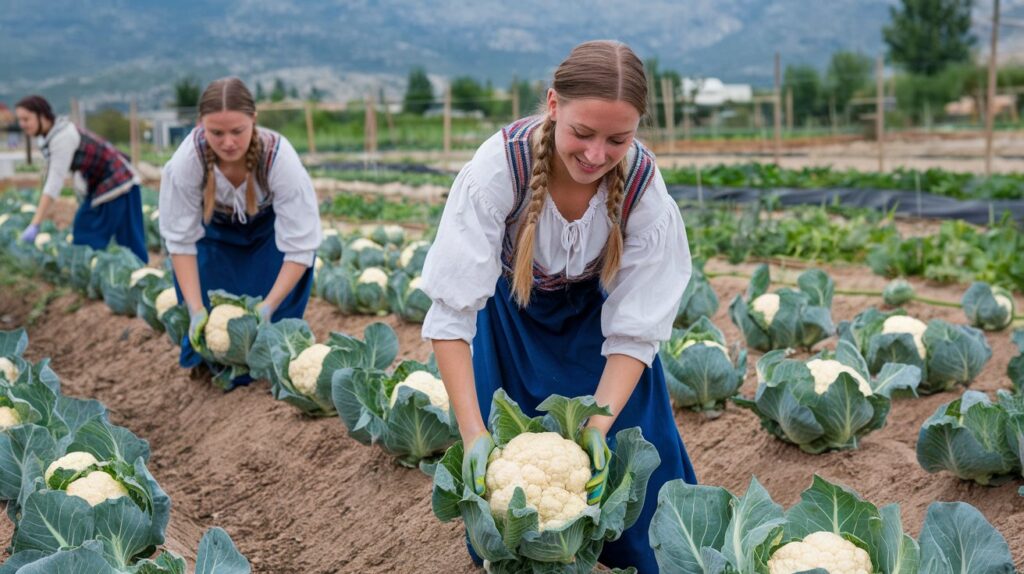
(591, 135)
(229, 134)
(30, 122)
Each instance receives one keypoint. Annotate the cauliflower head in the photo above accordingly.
(154, 215)
(374, 275)
(305, 369)
(318, 264)
(97, 487)
(330, 232)
(165, 301)
(75, 461)
(826, 371)
(363, 243)
(138, 274)
(821, 550)
(9, 418)
(691, 343)
(4, 217)
(426, 383)
(28, 208)
(8, 370)
(904, 324)
(552, 471)
(409, 252)
(216, 332)
(767, 305)
(42, 239)
(414, 284)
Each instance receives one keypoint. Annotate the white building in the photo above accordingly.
(713, 92)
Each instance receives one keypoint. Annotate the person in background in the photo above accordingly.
(111, 203)
(238, 212)
(561, 258)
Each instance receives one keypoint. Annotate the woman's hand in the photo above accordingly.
(593, 441)
(474, 462)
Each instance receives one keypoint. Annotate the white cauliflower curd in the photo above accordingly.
(8, 370)
(138, 274)
(374, 275)
(97, 487)
(9, 418)
(166, 300)
(820, 550)
(552, 471)
(216, 332)
(904, 324)
(826, 371)
(305, 369)
(426, 383)
(767, 305)
(75, 461)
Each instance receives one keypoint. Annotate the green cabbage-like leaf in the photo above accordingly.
(956, 538)
(701, 377)
(986, 307)
(898, 292)
(699, 300)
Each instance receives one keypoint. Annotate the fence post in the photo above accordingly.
(777, 101)
(76, 114)
(133, 130)
(447, 123)
(789, 110)
(310, 130)
(515, 97)
(668, 94)
(990, 108)
(880, 112)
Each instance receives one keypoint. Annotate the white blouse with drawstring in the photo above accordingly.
(464, 263)
(297, 214)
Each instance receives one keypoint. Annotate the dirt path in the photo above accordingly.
(297, 495)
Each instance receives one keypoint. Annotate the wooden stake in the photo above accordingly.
(990, 108)
(777, 101)
(880, 112)
(133, 131)
(310, 130)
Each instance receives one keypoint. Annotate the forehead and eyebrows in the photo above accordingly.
(227, 121)
(596, 116)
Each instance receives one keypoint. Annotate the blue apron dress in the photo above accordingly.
(119, 219)
(553, 346)
(243, 259)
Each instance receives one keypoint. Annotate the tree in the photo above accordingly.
(261, 94)
(186, 92)
(467, 94)
(419, 94)
(279, 91)
(110, 124)
(925, 36)
(847, 74)
(805, 83)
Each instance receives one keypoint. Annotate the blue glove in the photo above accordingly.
(596, 446)
(196, 323)
(474, 462)
(29, 235)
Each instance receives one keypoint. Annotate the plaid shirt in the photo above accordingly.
(105, 169)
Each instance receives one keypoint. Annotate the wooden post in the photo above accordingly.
(652, 102)
(789, 110)
(990, 108)
(880, 113)
(668, 95)
(832, 115)
(447, 122)
(310, 130)
(133, 131)
(388, 117)
(370, 144)
(515, 97)
(777, 101)
(28, 148)
(76, 113)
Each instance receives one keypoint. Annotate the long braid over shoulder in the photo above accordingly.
(252, 165)
(543, 148)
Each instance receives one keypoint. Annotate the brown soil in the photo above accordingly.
(297, 495)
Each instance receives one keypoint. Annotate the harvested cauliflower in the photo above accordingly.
(904, 324)
(552, 471)
(217, 337)
(9, 418)
(426, 383)
(305, 369)
(75, 461)
(767, 305)
(8, 370)
(826, 371)
(138, 274)
(824, 550)
(97, 487)
(374, 275)
(165, 301)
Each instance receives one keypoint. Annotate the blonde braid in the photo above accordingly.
(522, 268)
(252, 163)
(613, 247)
(210, 193)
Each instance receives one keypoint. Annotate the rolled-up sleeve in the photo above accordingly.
(62, 153)
(464, 262)
(297, 213)
(181, 201)
(656, 266)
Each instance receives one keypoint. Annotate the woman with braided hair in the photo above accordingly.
(561, 259)
(111, 203)
(238, 212)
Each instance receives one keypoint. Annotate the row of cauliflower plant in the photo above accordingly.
(533, 515)
(77, 487)
(342, 375)
(832, 530)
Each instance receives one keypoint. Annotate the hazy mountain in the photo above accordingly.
(109, 49)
